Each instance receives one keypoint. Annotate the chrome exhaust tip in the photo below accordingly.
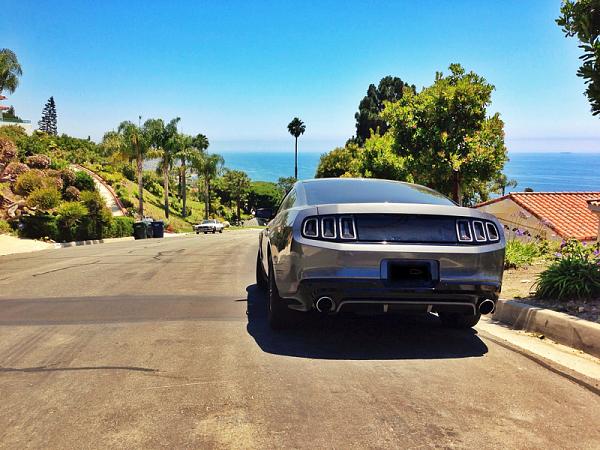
(487, 306)
(325, 305)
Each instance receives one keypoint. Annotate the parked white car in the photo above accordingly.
(209, 226)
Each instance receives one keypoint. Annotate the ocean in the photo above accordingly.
(539, 171)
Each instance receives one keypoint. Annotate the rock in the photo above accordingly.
(581, 309)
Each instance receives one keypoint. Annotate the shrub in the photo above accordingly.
(14, 169)
(98, 218)
(68, 177)
(69, 217)
(84, 181)
(575, 273)
(5, 227)
(72, 193)
(120, 227)
(39, 226)
(520, 254)
(8, 150)
(44, 198)
(28, 182)
(38, 161)
(129, 172)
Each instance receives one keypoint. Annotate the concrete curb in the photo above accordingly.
(90, 242)
(568, 330)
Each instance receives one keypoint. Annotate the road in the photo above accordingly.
(164, 343)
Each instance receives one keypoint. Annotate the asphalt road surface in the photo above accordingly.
(164, 343)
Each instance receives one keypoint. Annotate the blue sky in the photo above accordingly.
(239, 71)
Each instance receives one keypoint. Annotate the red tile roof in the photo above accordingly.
(567, 213)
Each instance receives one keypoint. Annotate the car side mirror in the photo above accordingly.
(264, 213)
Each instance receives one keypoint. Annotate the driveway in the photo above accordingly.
(164, 343)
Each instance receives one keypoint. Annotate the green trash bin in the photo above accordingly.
(158, 228)
(139, 230)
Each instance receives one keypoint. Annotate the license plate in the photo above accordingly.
(410, 273)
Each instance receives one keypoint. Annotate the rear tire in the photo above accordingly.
(261, 278)
(459, 321)
(221, 230)
(279, 316)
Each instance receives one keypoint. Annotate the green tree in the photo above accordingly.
(445, 136)
(208, 166)
(377, 160)
(238, 185)
(263, 194)
(192, 148)
(581, 18)
(296, 128)
(131, 143)
(47, 124)
(285, 184)
(10, 71)
(368, 118)
(338, 162)
(165, 144)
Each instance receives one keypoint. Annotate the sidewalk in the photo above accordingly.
(11, 244)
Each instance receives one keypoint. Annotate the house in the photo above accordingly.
(548, 215)
(594, 207)
(6, 121)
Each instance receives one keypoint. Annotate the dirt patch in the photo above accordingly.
(519, 284)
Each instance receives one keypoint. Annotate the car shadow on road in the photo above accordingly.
(360, 337)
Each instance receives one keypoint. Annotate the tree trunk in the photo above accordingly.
(207, 197)
(183, 189)
(166, 188)
(456, 194)
(296, 159)
(140, 174)
(238, 210)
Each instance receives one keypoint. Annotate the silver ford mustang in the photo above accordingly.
(338, 245)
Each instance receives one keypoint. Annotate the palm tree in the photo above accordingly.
(187, 152)
(296, 128)
(165, 143)
(133, 144)
(10, 71)
(192, 148)
(208, 167)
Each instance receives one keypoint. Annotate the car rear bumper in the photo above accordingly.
(354, 274)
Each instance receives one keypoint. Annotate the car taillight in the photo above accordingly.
(463, 229)
(476, 231)
(492, 232)
(311, 227)
(329, 228)
(347, 228)
(479, 231)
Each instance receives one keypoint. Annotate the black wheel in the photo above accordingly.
(214, 231)
(261, 277)
(279, 315)
(197, 232)
(221, 230)
(459, 321)
(206, 232)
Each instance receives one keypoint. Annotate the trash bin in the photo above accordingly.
(149, 231)
(158, 228)
(139, 230)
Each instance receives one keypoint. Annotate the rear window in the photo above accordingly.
(340, 190)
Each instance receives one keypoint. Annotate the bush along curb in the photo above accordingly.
(90, 242)
(562, 328)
